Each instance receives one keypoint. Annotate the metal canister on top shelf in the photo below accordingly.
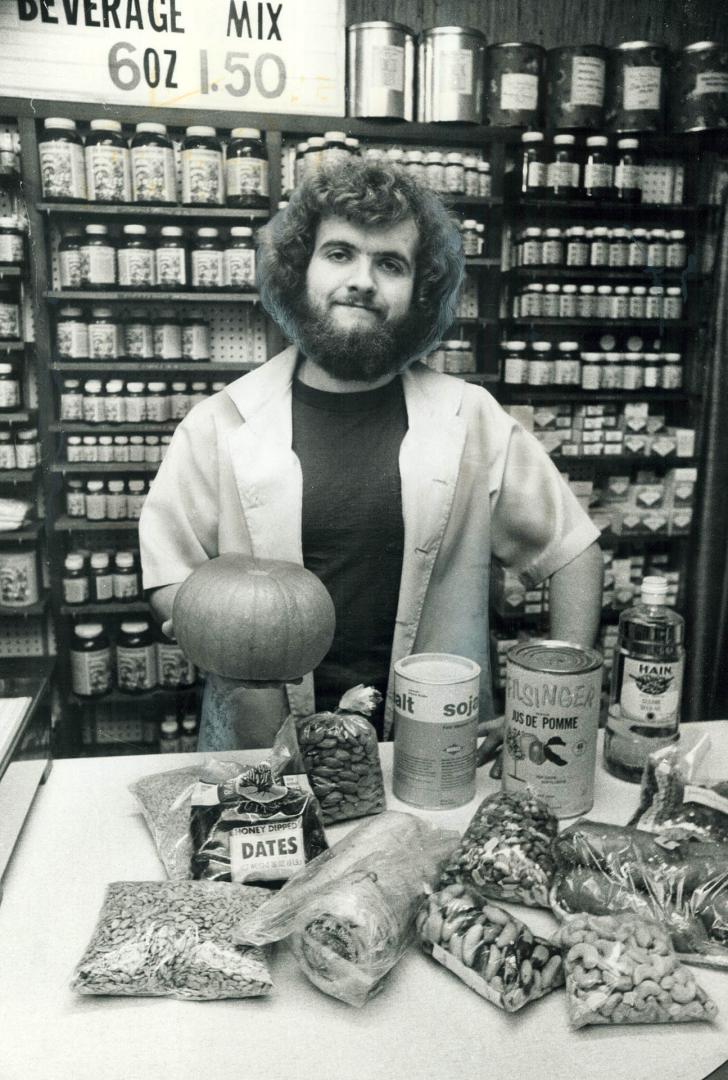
(380, 70)
(636, 81)
(450, 75)
(575, 86)
(699, 87)
(513, 84)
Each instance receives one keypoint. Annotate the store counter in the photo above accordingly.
(85, 830)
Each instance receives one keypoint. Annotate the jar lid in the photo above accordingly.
(156, 387)
(116, 487)
(542, 346)
(241, 230)
(96, 230)
(136, 440)
(469, 223)
(639, 290)
(9, 223)
(676, 234)
(597, 140)
(656, 290)
(73, 440)
(105, 440)
(135, 230)
(207, 231)
(95, 485)
(535, 286)
(627, 46)
(592, 357)
(6, 369)
(351, 142)
(674, 290)
(552, 288)
(515, 345)
(99, 560)
(151, 440)
(136, 486)
(554, 233)
(114, 386)
(171, 230)
(201, 129)
(124, 558)
(75, 484)
(672, 357)
(588, 289)
(532, 136)
(569, 289)
(189, 723)
(316, 142)
(101, 312)
(28, 433)
(532, 231)
(135, 387)
(434, 157)
(628, 144)
(638, 233)
(92, 386)
(180, 387)
(90, 440)
(605, 290)
(199, 386)
(454, 158)
(568, 346)
(623, 290)
(121, 440)
(415, 155)
(134, 627)
(71, 384)
(600, 230)
(619, 234)
(564, 140)
(105, 125)
(483, 166)
(245, 133)
(153, 128)
(88, 630)
(334, 136)
(169, 726)
(576, 230)
(59, 123)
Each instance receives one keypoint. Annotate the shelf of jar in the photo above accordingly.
(639, 539)
(135, 210)
(10, 271)
(663, 325)
(17, 476)
(119, 296)
(73, 467)
(519, 394)
(21, 536)
(38, 608)
(453, 199)
(111, 607)
(20, 416)
(475, 321)
(655, 275)
(13, 346)
(481, 260)
(150, 366)
(64, 523)
(77, 427)
(118, 697)
(612, 462)
(605, 207)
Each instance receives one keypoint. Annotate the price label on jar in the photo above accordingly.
(283, 57)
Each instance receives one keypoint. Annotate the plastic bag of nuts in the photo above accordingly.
(493, 953)
(505, 853)
(623, 970)
(173, 939)
(341, 757)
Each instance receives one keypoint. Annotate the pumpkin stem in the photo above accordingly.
(360, 699)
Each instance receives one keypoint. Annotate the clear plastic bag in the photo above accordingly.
(625, 971)
(341, 757)
(173, 939)
(681, 883)
(683, 793)
(493, 953)
(505, 853)
(351, 911)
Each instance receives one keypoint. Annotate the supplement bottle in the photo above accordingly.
(75, 499)
(188, 738)
(9, 388)
(532, 176)
(628, 173)
(116, 501)
(98, 258)
(646, 690)
(598, 169)
(95, 500)
(239, 260)
(246, 170)
(136, 661)
(152, 165)
(104, 334)
(174, 670)
(27, 449)
(75, 583)
(564, 172)
(171, 258)
(202, 172)
(169, 736)
(102, 584)
(136, 259)
(138, 337)
(126, 578)
(62, 165)
(206, 261)
(108, 168)
(69, 259)
(72, 338)
(90, 660)
(167, 335)
(11, 242)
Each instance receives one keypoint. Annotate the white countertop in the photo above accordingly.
(85, 830)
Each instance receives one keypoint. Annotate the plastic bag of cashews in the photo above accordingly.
(492, 952)
(624, 970)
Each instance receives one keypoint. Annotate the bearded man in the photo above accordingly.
(392, 483)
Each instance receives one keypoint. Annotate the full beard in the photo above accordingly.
(356, 353)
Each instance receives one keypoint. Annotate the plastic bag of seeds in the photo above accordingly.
(505, 853)
(173, 939)
(341, 757)
(623, 970)
(493, 953)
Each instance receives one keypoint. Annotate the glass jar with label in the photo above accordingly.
(599, 247)
(116, 500)
(9, 153)
(628, 173)
(120, 448)
(62, 166)
(673, 303)
(9, 314)
(136, 658)
(106, 446)
(199, 392)
(638, 248)
(620, 302)
(651, 363)
(239, 259)
(676, 254)
(598, 168)
(89, 448)
(454, 173)
(72, 338)
(90, 654)
(203, 183)
(531, 302)
(75, 583)
(541, 364)
(167, 337)
(469, 235)
(27, 448)
(104, 334)
(619, 248)
(515, 363)
(638, 302)
(94, 411)
(7, 451)
(137, 492)
(564, 171)
(174, 670)
(9, 388)
(136, 447)
(246, 168)
(135, 402)
(568, 303)
(591, 370)
(152, 449)
(611, 372)
(671, 376)
(126, 578)
(114, 402)
(604, 302)
(195, 338)
(95, 500)
(435, 171)
(414, 163)
(471, 185)
(657, 248)
(164, 444)
(98, 258)
(206, 259)
(313, 158)
(71, 400)
(532, 173)
(12, 249)
(136, 259)
(75, 499)
(577, 247)
(179, 401)
(586, 303)
(152, 165)
(69, 259)
(188, 738)
(551, 301)
(157, 410)
(552, 249)
(567, 365)
(654, 308)
(485, 184)
(108, 167)
(171, 259)
(138, 337)
(633, 375)
(169, 736)
(101, 579)
(530, 247)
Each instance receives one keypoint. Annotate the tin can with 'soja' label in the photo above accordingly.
(553, 691)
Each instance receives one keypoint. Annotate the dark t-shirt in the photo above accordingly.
(353, 532)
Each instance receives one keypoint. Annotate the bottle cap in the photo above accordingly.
(88, 630)
(654, 590)
(59, 123)
(124, 559)
(105, 125)
(155, 129)
(532, 137)
(73, 562)
(245, 133)
(99, 560)
(134, 627)
(200, 129)
(171, 230)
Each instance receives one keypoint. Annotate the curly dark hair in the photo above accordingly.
(364, 193)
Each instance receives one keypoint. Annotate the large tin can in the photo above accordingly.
(450, 75)
(513, 84)
(436, 697)
(380, 70)
(699, 87)
(575, 87)
(553, 691)
(636, 86)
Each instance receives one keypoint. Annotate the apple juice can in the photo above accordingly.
(553, 691)
(436, 698)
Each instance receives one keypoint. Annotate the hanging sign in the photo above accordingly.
(286, 56)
